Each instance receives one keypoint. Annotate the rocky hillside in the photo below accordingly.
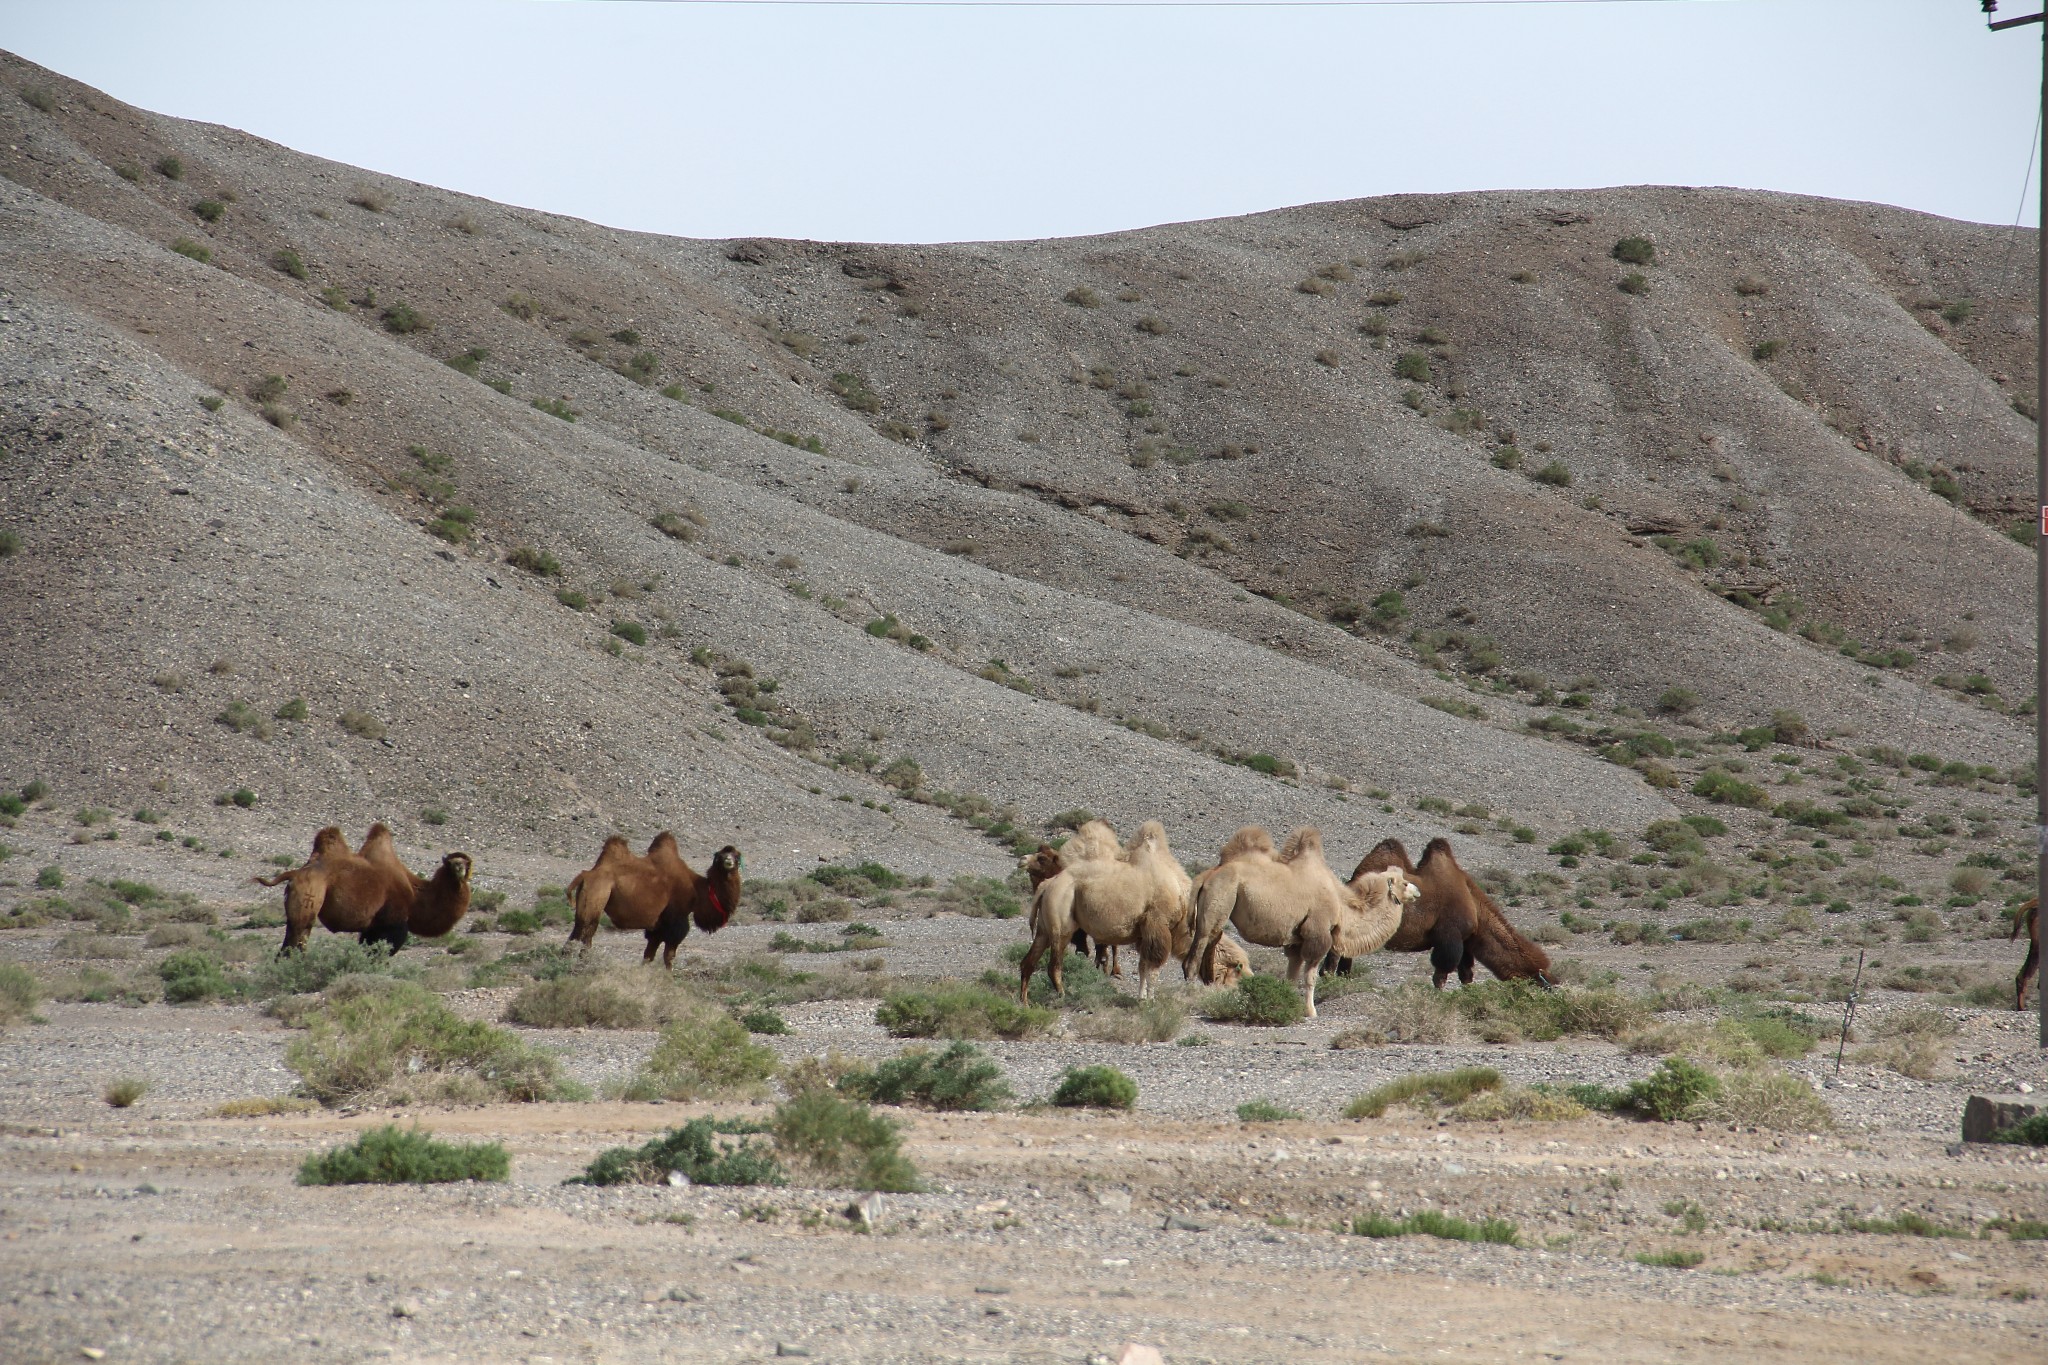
(379, 501)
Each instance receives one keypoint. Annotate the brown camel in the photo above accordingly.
(369, 892)
(1455, 921)
(659, 894)
(1292, 900)
(2030, 915)
(1140, 897)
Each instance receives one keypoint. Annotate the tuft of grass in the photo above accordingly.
(952, 1010)
(1430, 1223)
(1674, 1090)
(2028, 1132)
(192, 250)
(1671, 1260)
(533, 561)
(1424, 1089)
(1095, 1087)
(193, 976)
(402, 319)
(683, 525)
(703, 1054)
(1515, 1104)
(20, 993)
(121, 1093)
(263, 1106)
(361, 724)
(695, 1149)
(1413, 366)
(632, 632)
(1635, 251)
(401, 1042)
(1264, 1111)
(1260, 1001)
(289, 262)
(405, 1156)
(295, 709)
(581, 1000)
(170, 168)
(842, 1140)
(209, 210)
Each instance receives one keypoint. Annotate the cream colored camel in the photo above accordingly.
(1292, 900)
(1139, 897)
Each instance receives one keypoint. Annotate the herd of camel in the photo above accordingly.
(1090, 890)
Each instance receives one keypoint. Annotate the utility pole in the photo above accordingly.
(2041, 500)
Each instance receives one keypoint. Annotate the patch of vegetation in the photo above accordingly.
(1095, 1087)
(1413, 366)
(537, 562)
(361, 724)
(1257, 1000)
(192, 250)
(1425, 1089)
(1671, 1260)
(1430, 1223)
(20, 993)
(557, 407)
(193, 976)
(953, 1010)
(1635, 282)
(402, 1043)
(853, 391)
(1264, 1111)
(705, 1054)
(124, 1092)
(398, 1156)
(842, 1140)
(1635, 251)
(683, 525)
(2028, 1132)
(402, 319)
(695, 1149)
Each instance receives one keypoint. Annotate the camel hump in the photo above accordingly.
(665, 840)
(1303, 842)
(1151, 834)
(329, 840)
(1439, 847)
(1385, 854)
(1249, 840)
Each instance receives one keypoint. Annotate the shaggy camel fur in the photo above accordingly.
(368, 892)
(1455, 921)
(2030, 915)
(1093, 840)
(1292, 900)
(658, 894)
(1139, 897)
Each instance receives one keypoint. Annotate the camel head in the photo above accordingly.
(726, 860)
(1404, 892)
(457, 865)
(1041, 865)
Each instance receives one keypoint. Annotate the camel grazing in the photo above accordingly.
(1455, 921)
(1292, 900)
(658, 894)
(1139, 897)
(2030, 915)
(369, 892)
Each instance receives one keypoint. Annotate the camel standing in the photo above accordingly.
(1139, 897)
(1093, 840)
(658, 894)
(369, 892)
(1291, 900)
(2030, 915)
(1455, 921)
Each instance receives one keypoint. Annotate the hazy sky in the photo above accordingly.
(977, 121)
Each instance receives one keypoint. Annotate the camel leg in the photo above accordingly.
(2027, 970)
(1079, 944)
(653, 942)
(302, 906)
(590, 903)
(1037, 951)
(1116, 966)
(1312, 949)
(1466, 966)
(1446, 955)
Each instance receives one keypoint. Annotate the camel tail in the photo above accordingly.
(279, 880)
(2032, 908)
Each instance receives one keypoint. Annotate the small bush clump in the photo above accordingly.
(1095, 1087)
(1264, 1111)
(1261, 1001)
(961, 1077)
(122, 1093)
(400, 1156)
(20, 993)
(695, 1150)
(402, 1043)
(1430, 1223)
(1425, 1089)
(948, 1010)
(841, 1139)
(706, 1054)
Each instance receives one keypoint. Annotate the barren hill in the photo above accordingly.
(384, 502)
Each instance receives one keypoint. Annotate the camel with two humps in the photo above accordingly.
(1454, 920)
(658, 894)
(1139, 897)
(370, 892)
(2029, 915)
(1292, 901)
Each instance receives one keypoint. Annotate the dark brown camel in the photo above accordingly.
(1455, 921)
(659, 894)
(2030, 915)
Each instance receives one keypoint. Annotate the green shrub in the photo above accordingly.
(695, 1150)
(317, 966)
(124, 1092)
(403, 1043)
(1430, 1223)
(2028, 1132)
(1424, 1089)
(1678, 701)
(1509, 1011)
(681, 526)
(289, 262)
(705, 1054)
(191, 976)
(1673, 1090)
(361, 724)
(961, 1077)
(402, 319)
(534, 561)
(1672, 1260)
(50, 878)
(1722, 788)
(1413, 366)
(1635, 282)
(295, 709)
(1264, 1111)
(1095, 1087)
(1635, 251)
(579, 1000)
(399, 1156)
(1261, 1001)
(557, 407)
(951, 1010)
(1557, 474)
(841, 1139)
(209, 210)
(170, 168)
(632, 632)
(1766, 350)
(1764, 1097)
(765, 1022)
(192, 250)
(20, 993)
